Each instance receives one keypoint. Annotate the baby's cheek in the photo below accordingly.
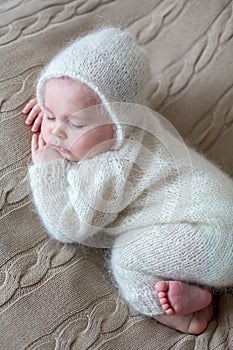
(95, 141)
(80, 146)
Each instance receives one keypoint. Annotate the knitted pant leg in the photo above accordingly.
(189, 253)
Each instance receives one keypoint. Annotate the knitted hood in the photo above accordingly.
(111, 63)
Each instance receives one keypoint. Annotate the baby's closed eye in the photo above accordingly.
(50, 117)
(77, 125)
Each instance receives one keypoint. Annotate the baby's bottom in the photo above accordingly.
(196, 257)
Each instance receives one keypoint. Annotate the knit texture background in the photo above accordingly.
(52, 295)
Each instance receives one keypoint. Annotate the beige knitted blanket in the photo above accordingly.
(54, 296)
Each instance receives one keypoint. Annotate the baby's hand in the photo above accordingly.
(41, 152)
(35, 115)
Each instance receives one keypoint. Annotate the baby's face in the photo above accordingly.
(69, 125)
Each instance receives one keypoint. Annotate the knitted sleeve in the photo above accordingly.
(76, 200)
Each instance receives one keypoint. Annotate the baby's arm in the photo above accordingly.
(51, 201)
(77, 200)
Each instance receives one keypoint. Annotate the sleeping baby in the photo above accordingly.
(109, 172)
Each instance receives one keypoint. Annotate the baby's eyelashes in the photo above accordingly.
(50, 117)
(70, 123)
(74, 125)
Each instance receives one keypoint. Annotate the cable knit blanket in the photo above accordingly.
(55, 296)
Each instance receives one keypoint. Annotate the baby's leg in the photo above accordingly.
(177, 298)
(139, 290)
(180, 253)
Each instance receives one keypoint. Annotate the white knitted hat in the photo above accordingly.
(110, 62)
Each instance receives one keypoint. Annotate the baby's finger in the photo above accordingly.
(34, 143)
(37, 124)
(29, 105)
(41, 142)
(33, 114)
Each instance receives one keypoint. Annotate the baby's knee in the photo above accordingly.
(135, 286)
(217, 247)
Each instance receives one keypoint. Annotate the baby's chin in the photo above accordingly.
(75, 159)
(71, 159)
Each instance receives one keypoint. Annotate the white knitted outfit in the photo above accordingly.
(164, 223)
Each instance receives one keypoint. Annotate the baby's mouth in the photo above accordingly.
(60, 149)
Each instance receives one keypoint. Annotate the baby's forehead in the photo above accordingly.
(69, 97)
(75, 85)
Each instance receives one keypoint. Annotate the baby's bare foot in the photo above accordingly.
(193, 323)
(179, 298)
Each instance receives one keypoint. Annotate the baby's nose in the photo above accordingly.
(59, 131)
